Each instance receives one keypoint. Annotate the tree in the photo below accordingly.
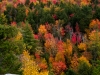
(28, 38)
(10, 50)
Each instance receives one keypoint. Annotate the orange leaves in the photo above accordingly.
(43, 66)
(60, 46)
(59, 57)
(48, 36)
(85, 2)
(72, 1)
(59, 67)
(94, 24)
(26, 12)
(22, 1)
(33, 1)
(2, 6)
(74, 62)
(44, 1)
(82, 46)
(42, 29)
(51, 59)
(68, 48)
(94, 35)
(50, 43)
(47, 44)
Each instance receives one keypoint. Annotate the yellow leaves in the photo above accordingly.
(57, 9)
(94, 36)
(82, 46)
(68, 48)
(42, 29)
(83, 59)
(29, 66)
(46, 8)
(44, 73)
(19, 36)
(3, 19)
(94, 23)
(59, 57)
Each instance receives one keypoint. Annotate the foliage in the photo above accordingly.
(96, 68)
(82, 46)
(74, 63)
(10, 13)
(94, 24)
(29, 66)
(83, 59)
(10, 49)
(59, 68)
(28, 38)
(42, 29)
(21, 15)
(84, 69)
(70, 72)
(62, 37)
(3, 19)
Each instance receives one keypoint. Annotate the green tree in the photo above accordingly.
(84, 69)
(28, 38)
(10, 50)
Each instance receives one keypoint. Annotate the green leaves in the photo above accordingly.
(10, 49)
(7, 32)
(29, 39)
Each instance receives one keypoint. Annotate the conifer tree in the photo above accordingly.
(29, 38)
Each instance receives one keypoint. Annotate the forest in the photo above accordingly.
(50, 37)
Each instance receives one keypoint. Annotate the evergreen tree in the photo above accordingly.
(29, 39)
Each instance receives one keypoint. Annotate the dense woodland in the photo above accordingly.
(50, 37)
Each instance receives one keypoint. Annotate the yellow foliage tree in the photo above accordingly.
(19, 36)
(29, 66)
(68, 48)
(59, 57)
(83, 59)
(82, 46)
(94, 36)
